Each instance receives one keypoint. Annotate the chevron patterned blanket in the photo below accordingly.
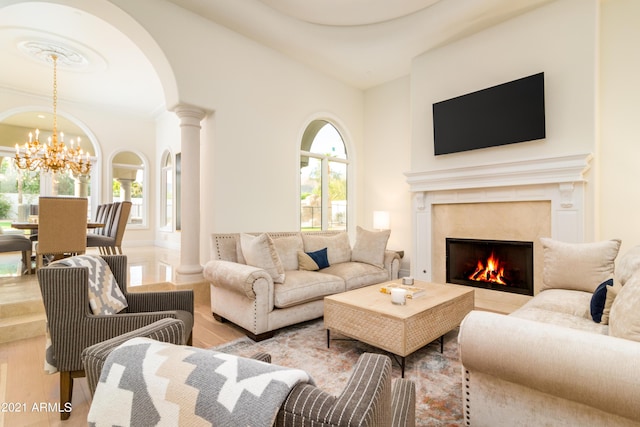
(146, 383)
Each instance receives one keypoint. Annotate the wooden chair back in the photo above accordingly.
(62, 226)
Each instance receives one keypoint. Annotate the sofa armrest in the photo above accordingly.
(142, 302)
(596, 370)
(392, 263)
(93, 357)
(234, 276)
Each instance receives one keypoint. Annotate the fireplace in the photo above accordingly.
(500, 265)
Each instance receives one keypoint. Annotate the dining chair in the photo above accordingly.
(109, 242)
(99, 212)
(18, 243)
(62, 227)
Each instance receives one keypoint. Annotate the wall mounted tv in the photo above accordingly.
(503, 114)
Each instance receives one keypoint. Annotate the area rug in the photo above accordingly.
(437, 376)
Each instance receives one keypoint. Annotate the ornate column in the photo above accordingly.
(125, 188)
(190, 118)
(82, 185)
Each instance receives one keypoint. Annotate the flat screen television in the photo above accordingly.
(503, 114)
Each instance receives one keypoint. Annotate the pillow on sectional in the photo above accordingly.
(624, 320)
(338, 245)
(628, 264)
(598, 300)
(370, 246)
(288, 248)
(313, 261)
(259, 251)
(612, 292)
(577, 266)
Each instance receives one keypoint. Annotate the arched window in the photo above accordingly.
(323, 178)
(166, 192)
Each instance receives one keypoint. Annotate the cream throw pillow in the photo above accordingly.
(627, 265)
(624, 319)
(370, 246)
(259, 251)
(612, 293)
(578, 266)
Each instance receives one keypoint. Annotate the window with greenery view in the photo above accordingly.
(323, 178)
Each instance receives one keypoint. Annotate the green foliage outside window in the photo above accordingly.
(5, 207)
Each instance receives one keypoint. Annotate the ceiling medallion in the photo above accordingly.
(45, 50)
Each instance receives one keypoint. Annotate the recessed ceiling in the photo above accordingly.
(361, 42)
(99, 65)
(348, 12)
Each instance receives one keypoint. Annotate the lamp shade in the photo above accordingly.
(381, 220)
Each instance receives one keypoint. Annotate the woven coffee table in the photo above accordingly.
(366, 314)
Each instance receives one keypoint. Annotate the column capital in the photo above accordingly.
(189, 115)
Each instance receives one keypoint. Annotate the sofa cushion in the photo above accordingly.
(627, 265)
(598, 300)
(561, 319)
(624, 319)
(288, 248)
(313, 261)
(370, 246)
(338, 245)
(573, 303)
(302, 286)
(578, 266)
(357, 274)
(259, 251)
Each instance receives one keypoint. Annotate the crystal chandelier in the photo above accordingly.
(54, 156)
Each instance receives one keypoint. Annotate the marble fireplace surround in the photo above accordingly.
(520, 200)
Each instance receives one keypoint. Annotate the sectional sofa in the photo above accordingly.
(569, 356)
(265, 281)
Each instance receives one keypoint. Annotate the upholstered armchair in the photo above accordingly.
(72, 325)
(370, 398)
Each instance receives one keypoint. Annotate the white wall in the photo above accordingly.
(558, 39)
(168, 139)
(259, 102)
(619, 191)
(386, 155)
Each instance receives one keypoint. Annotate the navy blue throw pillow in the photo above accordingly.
(320, 257)
(598, 299)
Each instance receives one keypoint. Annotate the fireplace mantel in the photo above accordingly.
(555, 170)
(560, 180)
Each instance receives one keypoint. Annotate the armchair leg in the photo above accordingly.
(66, 392)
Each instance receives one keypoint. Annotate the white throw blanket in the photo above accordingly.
(153, 383)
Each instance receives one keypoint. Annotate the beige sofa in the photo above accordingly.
(549, 362)
(266, 281)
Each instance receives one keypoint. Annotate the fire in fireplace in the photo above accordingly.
(501, 265)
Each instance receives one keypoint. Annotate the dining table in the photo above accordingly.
(33, 226)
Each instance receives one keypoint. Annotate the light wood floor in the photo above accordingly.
(26, 387)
